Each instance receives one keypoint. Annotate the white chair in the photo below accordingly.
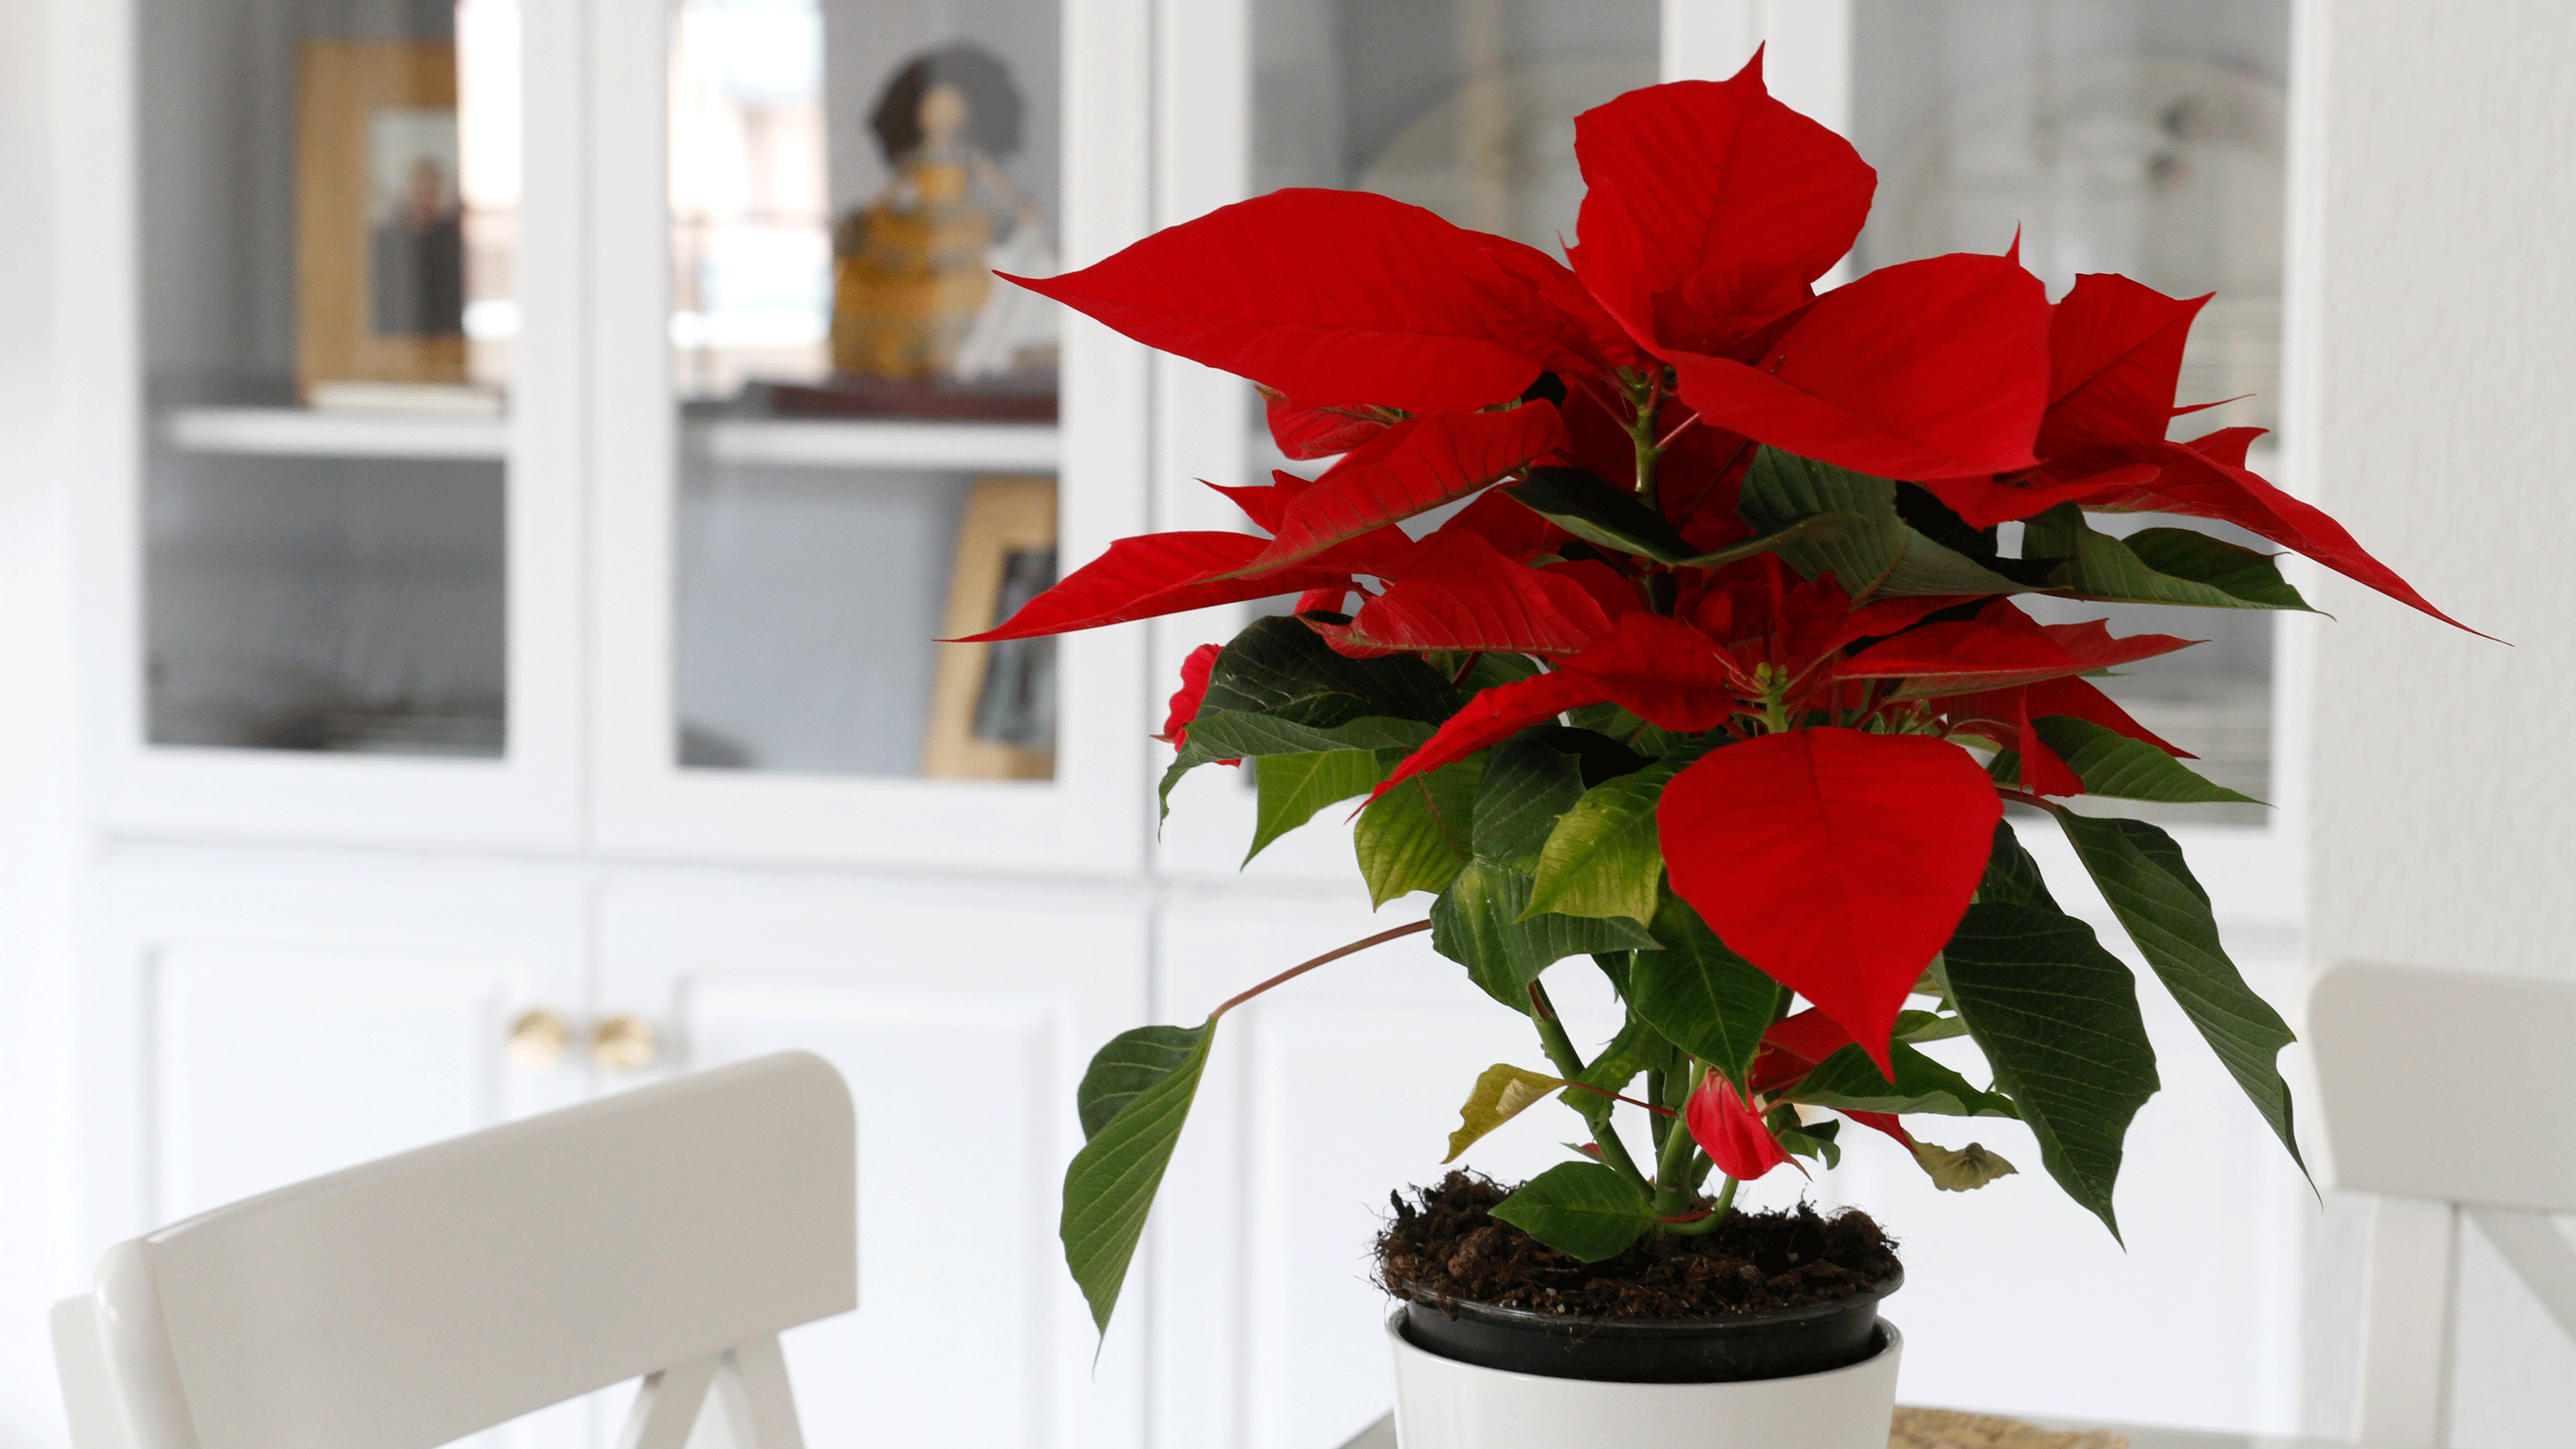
(671, 1232)
(2403, 1059)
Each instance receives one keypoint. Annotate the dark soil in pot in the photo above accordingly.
(1765, 1295)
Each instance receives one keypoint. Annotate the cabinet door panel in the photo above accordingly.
(260, 1020)
(962, 1020)
(912, 1372)
(270, 1066)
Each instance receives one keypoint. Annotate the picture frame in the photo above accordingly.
(992, 706)
(379, 216)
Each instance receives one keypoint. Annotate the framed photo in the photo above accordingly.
(992, 706)
(379, 217)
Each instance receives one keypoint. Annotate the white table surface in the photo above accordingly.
(1381, 1435)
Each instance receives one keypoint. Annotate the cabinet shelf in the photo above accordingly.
(305, 433)
(838, 443)
(758, 442)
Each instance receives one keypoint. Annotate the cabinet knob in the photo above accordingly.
(623, 1043)
(538, 1039)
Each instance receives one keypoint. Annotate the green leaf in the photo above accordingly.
(1132, 1061)
(1630, 1052)
(1963, 1169)
(1596, 511)
(2057, 1018)
(1528, 784)
(1477, 923)
(2141, 873)
(1489, 670)
(1875, 551)
(1581, 1209)
(1110, 1185)
(1612, 721)
(1848, 1081)
(1416, 835)
(2112, 764)
(1601, 513)
(1501, 1092)
(1603, 857)
(1814, 528)
(1293, 787)
(1701, 996)
(2012, 877)
(1280, 668)
(2154, 566)
(1816, 1141)
(1228, 734)
(1278, 688)
(1923, 1026)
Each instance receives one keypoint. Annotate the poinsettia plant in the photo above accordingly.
(1719, 676)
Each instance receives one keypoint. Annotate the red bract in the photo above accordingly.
(1304, 433)
(1932, 369)
(1332, 297)
(1161, 573)
(2115, 352)
(1711, 207)
(1453, 591)
(1411, 468)
(2004, 717)
(2002, 646)
(1836, 861)
(1195, 672)
(1730, 1131)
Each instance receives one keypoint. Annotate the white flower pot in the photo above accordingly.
(1441, 1403)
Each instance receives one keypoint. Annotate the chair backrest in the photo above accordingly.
(670, 1232)
(2407, 1061)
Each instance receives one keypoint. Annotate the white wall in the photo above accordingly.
(2444, 809)
(37, 748)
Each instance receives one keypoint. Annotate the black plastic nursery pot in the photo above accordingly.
(1779, 1344)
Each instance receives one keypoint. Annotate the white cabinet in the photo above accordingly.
(251, 1022)
(962, 1018)
(256, 1021)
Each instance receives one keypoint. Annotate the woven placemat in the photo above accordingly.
(1948, 1429)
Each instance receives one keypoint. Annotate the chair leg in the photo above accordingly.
(2540, 1253)
(666, 1407)
(759, 1408)
(2406, 1323)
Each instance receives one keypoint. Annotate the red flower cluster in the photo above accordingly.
(1839, 835)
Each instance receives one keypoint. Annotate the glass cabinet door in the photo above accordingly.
(830, 434)
(2145, 137)
(339, 471)
(867, 439)
(329, 206)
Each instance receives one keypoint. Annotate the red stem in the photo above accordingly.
(1337, 953)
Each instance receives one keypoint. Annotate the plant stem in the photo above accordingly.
(1569, 1065)
(1335, 954)
(1642, 431)
(1716, 1214)
(1672, 1189)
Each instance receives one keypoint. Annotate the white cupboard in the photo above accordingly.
(516, 683)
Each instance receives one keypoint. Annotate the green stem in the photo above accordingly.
(1641, 431)
(1672, 1168)
(1716, 1214)
(1569, 1065)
